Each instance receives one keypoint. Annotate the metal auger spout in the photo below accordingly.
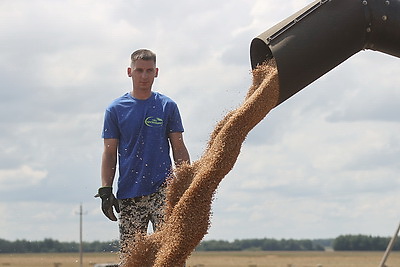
(322, 35)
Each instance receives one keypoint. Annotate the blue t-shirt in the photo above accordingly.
(142, 127)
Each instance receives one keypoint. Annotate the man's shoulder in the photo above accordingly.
(119, 100)
(164, 98)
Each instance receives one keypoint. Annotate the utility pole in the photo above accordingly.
(80, 236)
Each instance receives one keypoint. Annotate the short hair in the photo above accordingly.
(143, 54)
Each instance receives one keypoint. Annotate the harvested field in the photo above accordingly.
(291, 259)
(55, 259)
(217, 259)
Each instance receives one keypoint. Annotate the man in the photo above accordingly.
(139, 129)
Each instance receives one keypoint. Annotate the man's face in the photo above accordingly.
(143, 73)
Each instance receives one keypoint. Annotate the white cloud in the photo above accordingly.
(21, 178)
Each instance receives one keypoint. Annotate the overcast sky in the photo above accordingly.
(322, 164)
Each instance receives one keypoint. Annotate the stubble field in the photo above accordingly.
(217, 259)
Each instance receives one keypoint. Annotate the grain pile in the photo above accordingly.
(191, 191)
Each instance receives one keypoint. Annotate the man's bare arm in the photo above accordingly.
(179, 150)
(109, 161)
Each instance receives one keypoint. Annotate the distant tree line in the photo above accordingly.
(363, 243)
(266, 244)
(341, 243)
(53, 246)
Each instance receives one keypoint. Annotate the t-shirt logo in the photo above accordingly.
(153, 122)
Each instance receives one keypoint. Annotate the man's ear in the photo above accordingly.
(156, 75)
(129, 71)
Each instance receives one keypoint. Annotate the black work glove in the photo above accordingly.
(108, 200)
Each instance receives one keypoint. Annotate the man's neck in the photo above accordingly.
(142, 95)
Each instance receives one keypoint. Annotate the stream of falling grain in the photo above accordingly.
(191, 191)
